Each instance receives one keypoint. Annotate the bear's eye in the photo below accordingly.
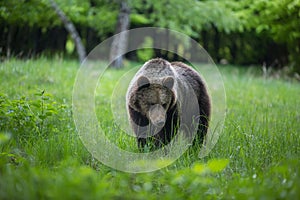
(164, 105)
(137, 105)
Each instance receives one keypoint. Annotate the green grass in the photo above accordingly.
(42, 157)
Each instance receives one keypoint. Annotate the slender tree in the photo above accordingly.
(119, 43)
(71, 29)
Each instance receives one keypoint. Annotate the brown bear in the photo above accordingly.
(155, 97)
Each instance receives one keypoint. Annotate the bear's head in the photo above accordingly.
(154, 99)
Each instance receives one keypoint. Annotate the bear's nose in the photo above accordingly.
(160, 123)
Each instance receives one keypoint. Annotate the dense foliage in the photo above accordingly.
(241, 32)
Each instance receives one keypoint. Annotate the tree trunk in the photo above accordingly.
(119, 43)
(11, 30)
(71, 29)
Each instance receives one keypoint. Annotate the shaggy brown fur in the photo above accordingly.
(154, 97)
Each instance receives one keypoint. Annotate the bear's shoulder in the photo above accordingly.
(183, 70)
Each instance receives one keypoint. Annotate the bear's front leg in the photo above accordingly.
(141, 143)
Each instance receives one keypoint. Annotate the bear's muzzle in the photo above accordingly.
(157, 115)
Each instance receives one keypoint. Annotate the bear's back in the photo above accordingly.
(191, 76)
(155, 69)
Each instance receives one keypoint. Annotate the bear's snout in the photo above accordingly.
(157, 115)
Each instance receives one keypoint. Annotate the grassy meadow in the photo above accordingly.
(42, 157)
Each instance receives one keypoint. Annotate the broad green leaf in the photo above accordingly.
(199, 168)
(4, 137)
(217, 165)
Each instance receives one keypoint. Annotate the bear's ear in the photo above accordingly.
(168, 82)
(143, 82)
